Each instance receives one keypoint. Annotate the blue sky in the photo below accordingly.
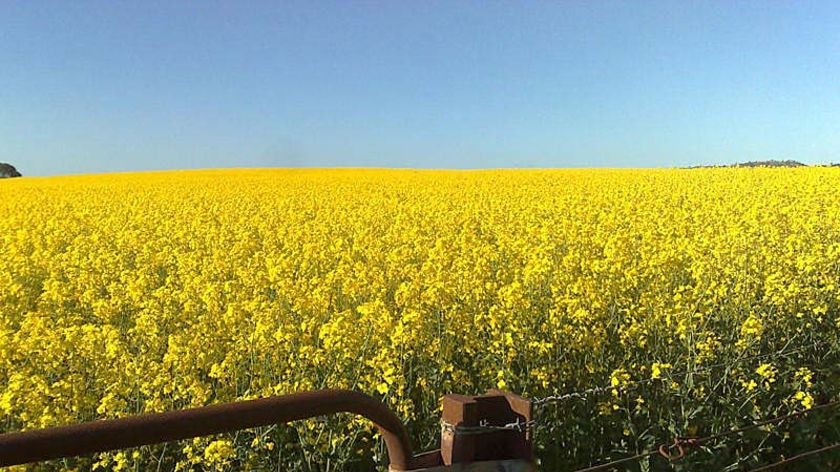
(115, 86)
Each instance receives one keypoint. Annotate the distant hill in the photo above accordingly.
(8, 170)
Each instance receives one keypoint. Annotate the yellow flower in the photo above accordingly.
(766, 371)
(500, 379)
(752, 327)
(619, 377)
(219, 451)
(804, 375)
(656, 369)
(805, 399)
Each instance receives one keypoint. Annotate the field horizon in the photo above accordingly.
(423, 169)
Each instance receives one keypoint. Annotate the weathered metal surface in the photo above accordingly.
(476, 428)
(107, 435)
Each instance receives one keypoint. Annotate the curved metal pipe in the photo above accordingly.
(106, 435)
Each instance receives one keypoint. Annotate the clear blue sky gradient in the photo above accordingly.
(113, 86)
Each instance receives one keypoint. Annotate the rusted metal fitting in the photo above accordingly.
(667, 450)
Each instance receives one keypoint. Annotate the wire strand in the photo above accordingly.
(484, 427)
(797, 457)
(617, 462)
(681, 443)
(778, 419)
(583, 394)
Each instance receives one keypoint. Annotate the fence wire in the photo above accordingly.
(677, 449)
(797, 457)
(583, 394)
(484, 427)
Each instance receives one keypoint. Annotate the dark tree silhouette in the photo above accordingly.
(8, 170)
(771, 163)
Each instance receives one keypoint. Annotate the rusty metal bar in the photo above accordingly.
(106, 435)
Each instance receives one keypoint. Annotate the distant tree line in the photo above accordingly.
(770, 163)
(8, 170)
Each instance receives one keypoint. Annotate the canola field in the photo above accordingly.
(699, 300)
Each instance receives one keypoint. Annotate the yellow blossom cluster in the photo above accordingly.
(147, 292)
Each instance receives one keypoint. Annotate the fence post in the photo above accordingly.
(469, 431)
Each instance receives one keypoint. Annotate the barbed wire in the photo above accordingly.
(677, 449)
(672, 451)
(484, 427)
(583, 394)
(778, 419)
